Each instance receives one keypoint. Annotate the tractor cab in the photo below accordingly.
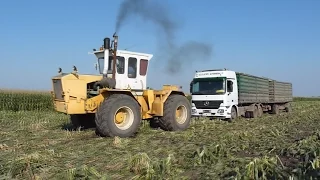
(130, 68)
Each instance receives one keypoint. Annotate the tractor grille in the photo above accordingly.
(57, 89)
(207, 104)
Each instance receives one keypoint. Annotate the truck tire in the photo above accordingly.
(234, 114)
(176, 105)
(275, 109)
(118, 115)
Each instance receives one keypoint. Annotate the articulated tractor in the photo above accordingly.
(117, 99)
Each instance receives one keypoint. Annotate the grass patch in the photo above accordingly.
(33, 144)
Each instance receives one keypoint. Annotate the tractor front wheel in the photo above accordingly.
(176, 113)
(118, 115)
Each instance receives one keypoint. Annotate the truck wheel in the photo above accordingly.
(118, 115)
(275, 109)
(176, 113)
(234, 114)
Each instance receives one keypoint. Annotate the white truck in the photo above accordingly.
(226, 94)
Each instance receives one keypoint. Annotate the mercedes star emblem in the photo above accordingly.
(206, 103)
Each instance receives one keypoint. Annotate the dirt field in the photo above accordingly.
(36, 145)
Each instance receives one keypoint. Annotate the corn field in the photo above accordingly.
(42, 101)
(25, 101)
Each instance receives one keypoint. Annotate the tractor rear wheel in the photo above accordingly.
(118, 115)
(176, 113)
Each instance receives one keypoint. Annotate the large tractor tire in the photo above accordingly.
(118, 115)
(176, 113)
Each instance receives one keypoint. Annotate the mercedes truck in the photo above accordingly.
(227, 94)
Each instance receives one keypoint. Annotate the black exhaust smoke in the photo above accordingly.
(154, 11)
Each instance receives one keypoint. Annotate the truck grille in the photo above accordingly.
(207, 104)
(57, 89)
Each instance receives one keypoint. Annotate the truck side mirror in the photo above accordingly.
(191, 85)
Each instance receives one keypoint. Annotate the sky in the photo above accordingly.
(274, 39)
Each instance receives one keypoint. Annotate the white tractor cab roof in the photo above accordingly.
(131, 67)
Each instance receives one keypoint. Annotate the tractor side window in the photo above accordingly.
(101, 64)
(132, 67)
(143, 67)
(119, 65)
(229, 86)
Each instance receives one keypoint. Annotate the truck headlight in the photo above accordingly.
(220, 111)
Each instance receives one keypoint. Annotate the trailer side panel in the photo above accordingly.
(280, 92)
(252, 89)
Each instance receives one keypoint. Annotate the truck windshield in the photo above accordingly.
(208, 86)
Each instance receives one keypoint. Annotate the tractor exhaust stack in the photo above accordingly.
(115, 47)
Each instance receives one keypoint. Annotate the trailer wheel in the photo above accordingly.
(275, 109)
(260, 111)
(288, 108)
(176, 113)
(255, 112)
(118, 115)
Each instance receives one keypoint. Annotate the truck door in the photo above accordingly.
(232, 92)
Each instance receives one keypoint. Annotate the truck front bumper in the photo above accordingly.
(217, 113)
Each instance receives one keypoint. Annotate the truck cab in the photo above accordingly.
(214, 93)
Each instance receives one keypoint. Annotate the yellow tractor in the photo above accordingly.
(117, 99)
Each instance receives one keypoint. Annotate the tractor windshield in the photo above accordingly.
(119, 65)
(208, 86)
(101, 64)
